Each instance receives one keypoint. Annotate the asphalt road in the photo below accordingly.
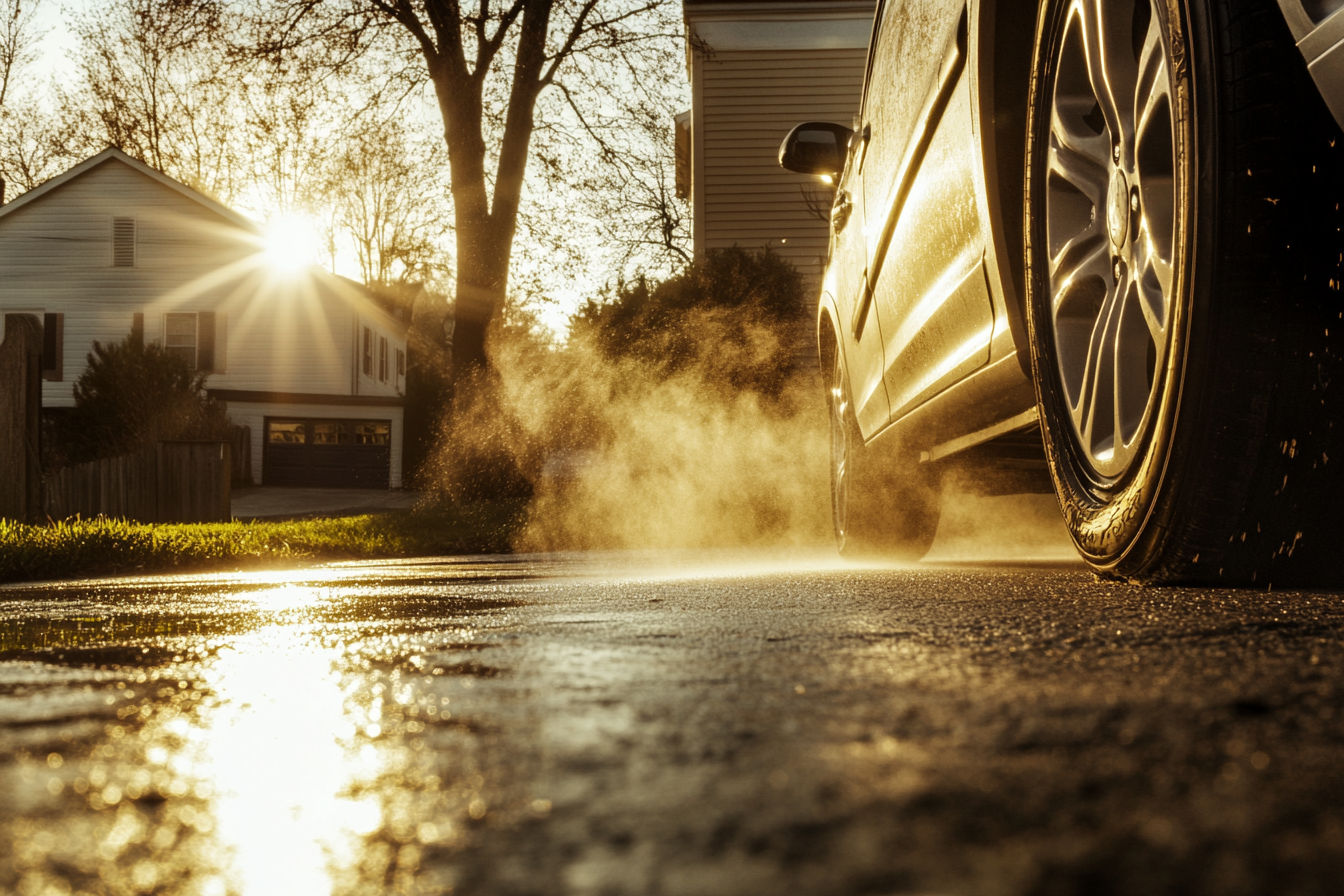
(620, 725)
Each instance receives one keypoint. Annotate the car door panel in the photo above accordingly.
(861, 336)
(921, 213)
(932, 297)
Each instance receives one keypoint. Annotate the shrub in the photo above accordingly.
(133, 395)
(732, 316)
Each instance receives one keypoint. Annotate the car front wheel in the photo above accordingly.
(1182, 192)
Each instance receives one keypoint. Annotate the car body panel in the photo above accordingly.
(932, 300)
(934, 305)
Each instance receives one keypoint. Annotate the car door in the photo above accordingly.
(923, 232)
(846, 278)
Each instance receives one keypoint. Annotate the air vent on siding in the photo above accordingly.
(123, 242)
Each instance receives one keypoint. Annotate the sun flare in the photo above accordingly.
(292, 243)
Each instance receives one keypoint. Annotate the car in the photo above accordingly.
(1093, 246)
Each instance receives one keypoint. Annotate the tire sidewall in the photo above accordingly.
(1112, 523)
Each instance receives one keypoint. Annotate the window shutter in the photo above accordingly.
(138, 328)
(53, 347)
(123, 242)
(221, 342)
(205, 341)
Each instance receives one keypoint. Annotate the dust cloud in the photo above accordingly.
(1000, 528)
(628, 453)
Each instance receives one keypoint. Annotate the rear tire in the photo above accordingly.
(1181, 350)
(883, 506)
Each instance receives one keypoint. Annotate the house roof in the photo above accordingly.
(112, 154)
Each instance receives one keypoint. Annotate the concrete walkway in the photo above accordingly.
(263, 502)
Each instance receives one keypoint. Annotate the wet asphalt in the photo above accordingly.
(693, 725)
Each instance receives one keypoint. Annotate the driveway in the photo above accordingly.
(701, 725)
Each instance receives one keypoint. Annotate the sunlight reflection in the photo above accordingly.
(276, 756)
(287, 596)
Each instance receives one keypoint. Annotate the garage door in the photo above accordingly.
(330, 453)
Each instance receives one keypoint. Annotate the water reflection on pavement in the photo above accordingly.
(249, 734)
(564, 725)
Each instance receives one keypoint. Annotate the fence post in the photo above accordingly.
(20, 418)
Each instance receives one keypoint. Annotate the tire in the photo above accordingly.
(1180, 329)
(883, 505)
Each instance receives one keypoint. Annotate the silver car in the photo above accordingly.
(1095, 246)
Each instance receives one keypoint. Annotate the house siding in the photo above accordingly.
(295, 334)
(748, 100)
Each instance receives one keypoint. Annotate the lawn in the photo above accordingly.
(102, 546)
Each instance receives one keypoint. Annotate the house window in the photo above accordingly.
(368, 352)
(327, 432)
(179, 337)
(401, 364)
(123, 242)
(285, 432)
(382, 359)
(53, 346)
(197, 338)
(373, 433)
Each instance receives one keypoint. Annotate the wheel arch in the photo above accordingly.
(1005, 35)
(828, 334)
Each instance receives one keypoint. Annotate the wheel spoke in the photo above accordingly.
(1153, 87)
(1097, 394)
(1075, 193)
(1109, 62)
(1085, 172)
(1082, 257)
(1152, 300)
(1071, 134)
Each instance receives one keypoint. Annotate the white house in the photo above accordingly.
(306, 359)
(757, 68)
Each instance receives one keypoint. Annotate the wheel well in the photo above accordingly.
(826, 343)
(1013, 39)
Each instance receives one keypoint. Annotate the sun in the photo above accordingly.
(292, 243)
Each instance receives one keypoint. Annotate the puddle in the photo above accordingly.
(221, 737)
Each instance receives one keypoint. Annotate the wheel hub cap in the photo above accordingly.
(1117, 209)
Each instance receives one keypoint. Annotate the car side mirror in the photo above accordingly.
(815, 147)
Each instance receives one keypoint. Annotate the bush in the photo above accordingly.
(131, 396)
(732, 316)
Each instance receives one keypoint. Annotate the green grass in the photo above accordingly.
(102, 546)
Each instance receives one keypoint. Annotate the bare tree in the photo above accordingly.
(26, 146)
(18, 41)
(378, 184)
(488, 63)
(156, 84)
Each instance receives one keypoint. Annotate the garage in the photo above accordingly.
(327, 453)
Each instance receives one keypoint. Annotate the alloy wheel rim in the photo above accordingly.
(1111, 224)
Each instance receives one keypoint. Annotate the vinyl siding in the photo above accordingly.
(277, 334)
(748, 101)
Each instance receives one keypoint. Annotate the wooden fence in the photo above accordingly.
(241, 438)
(173, 482)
